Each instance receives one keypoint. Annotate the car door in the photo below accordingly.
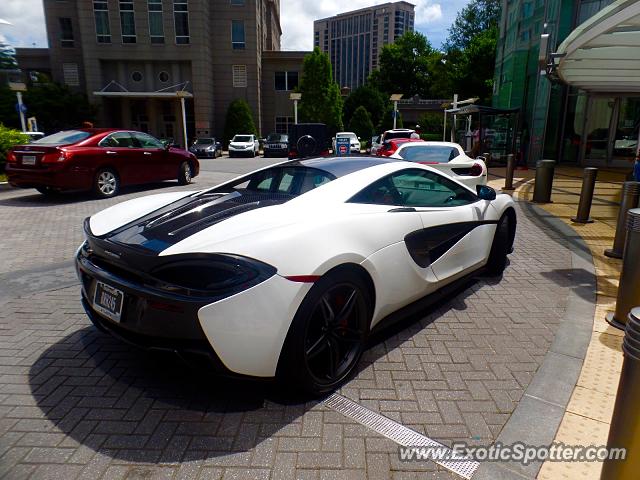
(153, 159)
(117, 151)
(458, 227)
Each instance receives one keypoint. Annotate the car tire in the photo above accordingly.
(106, 183)
(184, 173)
(500, 247)
(321, 351)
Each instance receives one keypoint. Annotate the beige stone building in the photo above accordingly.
(139, 60)
(354, 40)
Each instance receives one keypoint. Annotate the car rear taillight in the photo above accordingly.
(476, 170)
(11, 157)
(324, 153)
(57, 156)
(293, 153)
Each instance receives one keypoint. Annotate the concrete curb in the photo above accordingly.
(5, 186)
(537, 417)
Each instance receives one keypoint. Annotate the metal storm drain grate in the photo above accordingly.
(400, 434)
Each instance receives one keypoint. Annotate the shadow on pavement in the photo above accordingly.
(32, 198)
(138, 407)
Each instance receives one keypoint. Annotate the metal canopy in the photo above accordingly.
(602, 55)
(114, 89)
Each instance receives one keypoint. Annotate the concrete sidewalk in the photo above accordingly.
(588, 415)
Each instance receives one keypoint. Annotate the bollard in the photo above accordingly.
(586, 195)
(625, 424)
(630, 199)
(629, 286)
(511, 166)
(544, 181)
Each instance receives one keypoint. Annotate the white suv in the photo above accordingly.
(244, 145)
(354, 141)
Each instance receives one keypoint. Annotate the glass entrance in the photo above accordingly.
(597, 129)
(625, 143)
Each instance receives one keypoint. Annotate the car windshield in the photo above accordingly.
(66, 137)
(242, 138)
(204, 141)
(429, 153)
(277, 137)
(287, 180)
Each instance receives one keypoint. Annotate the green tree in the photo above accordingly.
(431, 122)
(361, 124)
(405, 66)
(475, 18)
(472, 69)
(55, 106)
(239, 120)
(321, 100)
(368, 97)
(8, 138)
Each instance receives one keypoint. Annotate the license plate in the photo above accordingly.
(108, 301)
(29, 160)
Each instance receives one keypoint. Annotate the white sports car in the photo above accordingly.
(285, 271)
(447, 157)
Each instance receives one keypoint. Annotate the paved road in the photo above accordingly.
(75, 403)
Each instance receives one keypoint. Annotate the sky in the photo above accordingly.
(433, 18)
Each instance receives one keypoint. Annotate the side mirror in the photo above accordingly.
(485, 192)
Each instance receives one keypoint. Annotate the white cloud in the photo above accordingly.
(27, 23)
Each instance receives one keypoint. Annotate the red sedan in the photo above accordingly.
(389, 147)
(102, 160)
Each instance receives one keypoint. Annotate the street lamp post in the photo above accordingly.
(182, 95)
(394, 98)
(295, 97)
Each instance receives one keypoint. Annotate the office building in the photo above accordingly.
(563, 122)
(138, 60)
(354, 40)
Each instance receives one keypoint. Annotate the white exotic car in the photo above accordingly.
(285, 271)
(446, 157)
(247, 145)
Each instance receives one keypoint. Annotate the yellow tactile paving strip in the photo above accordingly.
(588, 414)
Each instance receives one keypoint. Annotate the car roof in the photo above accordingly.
(340, 166)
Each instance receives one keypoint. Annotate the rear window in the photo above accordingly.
(67, 137)
(390, 135)
(428, 153)
(290, 180)
(204, 141)
(242, 138)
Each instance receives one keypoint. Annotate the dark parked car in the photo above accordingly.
(206, 148)
(276, 145)
(101, 160)
(308, 139)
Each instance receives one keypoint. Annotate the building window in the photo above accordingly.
(237, 34)
(282, 124)
(70, 74)
(286, 80)
(181, 21)
(156, 29)
(163, 77)
(239, 75)
(127, 21)
(237, 3)
(66, 32)
(101, 15)
(136, 76)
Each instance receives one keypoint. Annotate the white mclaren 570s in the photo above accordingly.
(284, 272)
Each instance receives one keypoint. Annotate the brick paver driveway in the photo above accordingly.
(77, 403)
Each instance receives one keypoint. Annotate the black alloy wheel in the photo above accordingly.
(329, 333)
